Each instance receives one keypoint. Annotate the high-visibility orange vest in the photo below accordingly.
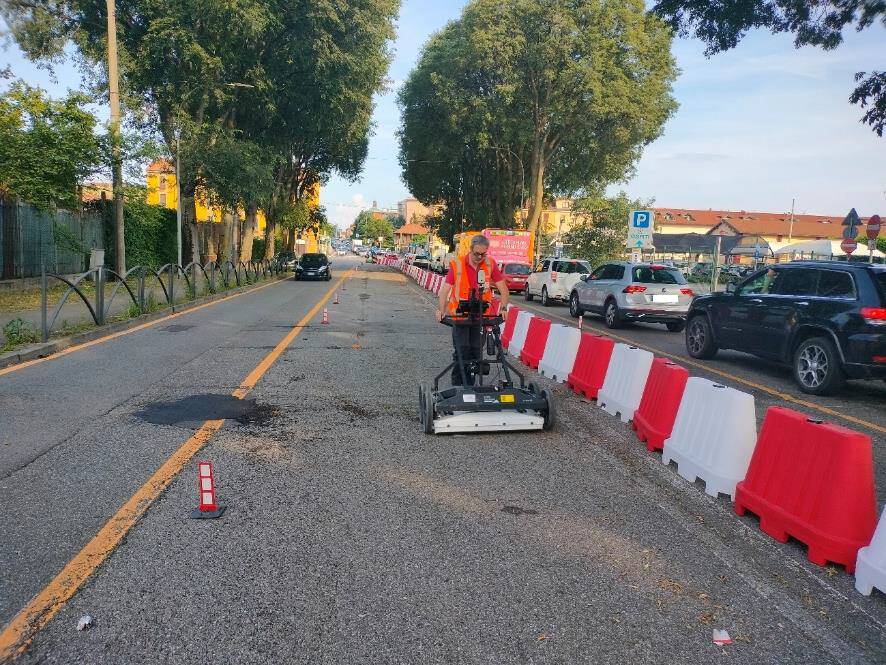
(461, 288)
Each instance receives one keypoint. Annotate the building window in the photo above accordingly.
(163, 198)
(162, 183)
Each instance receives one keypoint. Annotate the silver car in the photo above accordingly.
(641, 292)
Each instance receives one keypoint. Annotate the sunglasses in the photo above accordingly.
(479, 255)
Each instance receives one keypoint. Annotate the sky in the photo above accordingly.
(757, 126)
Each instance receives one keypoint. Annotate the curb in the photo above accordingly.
(34, 351)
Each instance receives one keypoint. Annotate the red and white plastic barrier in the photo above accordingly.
(623, 387)
(591, 365)
(870, 567)
(209, 508)
(560, 352)
(714, 436)
(814, 482)
(654, 419)
(515, 346)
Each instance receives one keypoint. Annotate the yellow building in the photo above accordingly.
(162, 191)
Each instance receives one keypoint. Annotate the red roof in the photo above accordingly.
(757, 223)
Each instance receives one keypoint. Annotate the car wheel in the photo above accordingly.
(527, 295)
(700, 338)
(611, 315)
(817, 367)
(545, 301)
(328, 276)
(575, 309)
(675, 326)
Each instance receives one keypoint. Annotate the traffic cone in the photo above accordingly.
(209, 509)
(344, 285)
(325, 317)
(335, 302)
(581, 320)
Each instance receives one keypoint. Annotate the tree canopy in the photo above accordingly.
(47, 147)
(558, 96)
(284, 87)
(723, 24)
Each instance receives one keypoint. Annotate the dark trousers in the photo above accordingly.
(469, 341)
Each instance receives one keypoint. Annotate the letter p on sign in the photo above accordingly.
(640, 219)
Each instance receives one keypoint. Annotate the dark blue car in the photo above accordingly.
(826, 319)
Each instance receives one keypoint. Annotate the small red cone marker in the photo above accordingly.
(325, 317)
(335, 302)
(209, 509)
(580, 322)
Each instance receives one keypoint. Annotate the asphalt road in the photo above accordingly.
(351, 537)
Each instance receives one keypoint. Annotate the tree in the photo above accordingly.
(47, 147)
(603, 231)
(374, 229)
(722, 25)
(569, 92)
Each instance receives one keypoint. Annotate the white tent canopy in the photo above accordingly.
(823, 249)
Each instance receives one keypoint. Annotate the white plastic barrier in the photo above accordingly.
(560, 351)
(714, 436)
(520, 330)
(625, 379)
(870, 566)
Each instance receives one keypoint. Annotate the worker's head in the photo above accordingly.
(479, 248)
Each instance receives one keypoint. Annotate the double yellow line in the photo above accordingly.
(19, 632)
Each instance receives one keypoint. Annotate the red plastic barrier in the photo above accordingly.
(812, 481)
(536, 338)
(510, 324)
(591, 363)
(654, 420)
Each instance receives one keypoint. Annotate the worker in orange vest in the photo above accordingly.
(462, 280)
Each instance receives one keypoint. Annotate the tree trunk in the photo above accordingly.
(537, 194)
(269, 238)
(248, 233)
(225, 239)
(208, 229)
(189, 222)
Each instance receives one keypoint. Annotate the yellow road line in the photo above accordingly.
(19, 632)
(108, 338)
(751, 384)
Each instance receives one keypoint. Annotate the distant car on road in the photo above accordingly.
(640, 292)
(553, 279)
(516, 275)
(313, 266)
(826, 319)
(286, 260)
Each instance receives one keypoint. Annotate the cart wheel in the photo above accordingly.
(550, 412)
(428, 412)
(532, 386)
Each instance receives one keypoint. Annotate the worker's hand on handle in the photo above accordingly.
(438, 315)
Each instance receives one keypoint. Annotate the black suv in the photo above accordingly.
(827, 319)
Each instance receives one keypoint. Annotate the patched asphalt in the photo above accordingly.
(352, 537)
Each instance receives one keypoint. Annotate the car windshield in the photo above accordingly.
(573, 267)
(516, 269)
(657, 275)
(313, 260)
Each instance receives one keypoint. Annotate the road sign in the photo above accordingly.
(851, 223)
(640, 225)
(849, 245)
(636, 256)
(873, 228)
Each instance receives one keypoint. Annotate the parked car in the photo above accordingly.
(313, 266)
(553, 279)
(423, 262)
(641, 292)
(516, 275)
(701, 270)
(286, 260)
(826, 319)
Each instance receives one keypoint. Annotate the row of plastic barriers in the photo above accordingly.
(804, 478)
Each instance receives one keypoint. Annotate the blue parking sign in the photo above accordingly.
(641, 219)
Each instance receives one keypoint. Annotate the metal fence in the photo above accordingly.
(31, 238)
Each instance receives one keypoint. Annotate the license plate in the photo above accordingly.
(505, 399)
(665, 299)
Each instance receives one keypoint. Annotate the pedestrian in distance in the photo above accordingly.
(463, 280)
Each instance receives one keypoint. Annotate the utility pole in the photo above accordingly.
(178, 197)
(117, 166)
(791, 229)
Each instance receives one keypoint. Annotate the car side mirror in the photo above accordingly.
(730, 288)
(583, 278)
